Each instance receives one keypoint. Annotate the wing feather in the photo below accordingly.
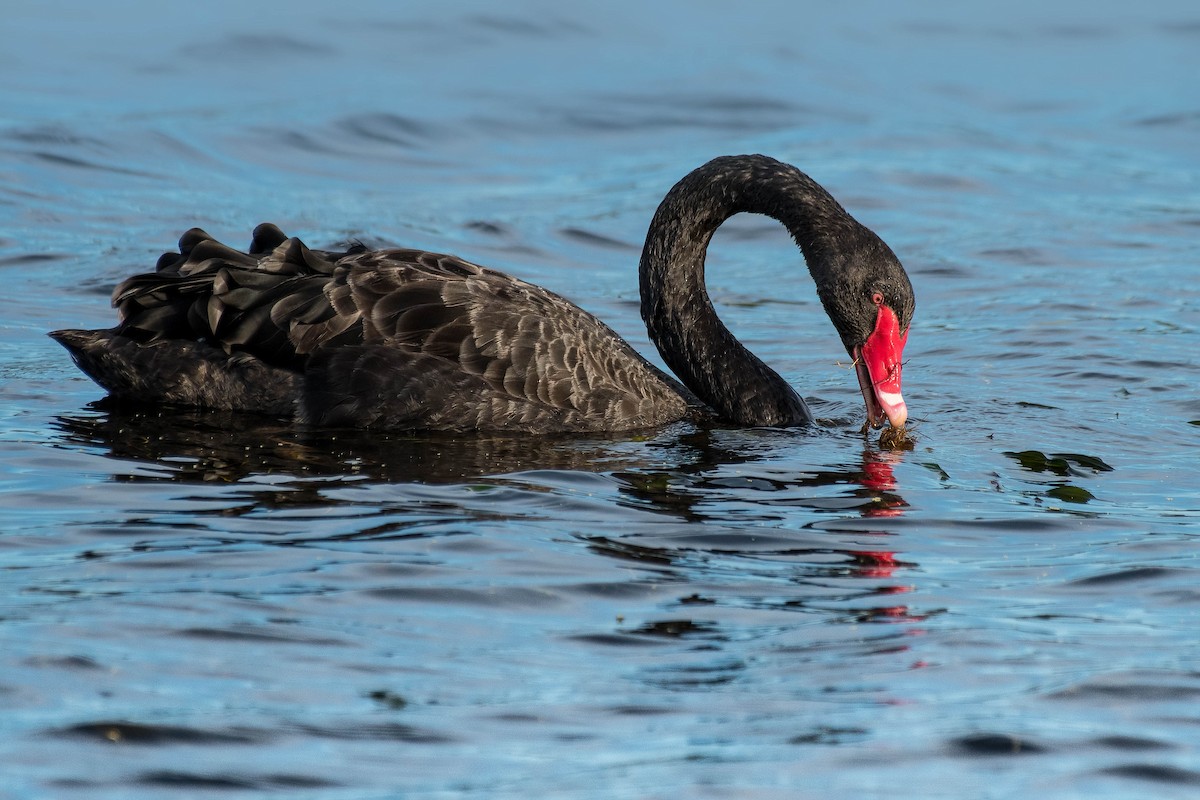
(398, 338)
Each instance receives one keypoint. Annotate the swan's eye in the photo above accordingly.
(877, 299)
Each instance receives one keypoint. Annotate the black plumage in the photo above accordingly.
(408, 339)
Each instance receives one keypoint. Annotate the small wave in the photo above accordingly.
(255, 47)
(1136, 574)
(996, 744)
(388, 128)
(30, 259)
(1174, 119)
(596, 239)
(150, 734)
(1158, 773)
(520, 26)
(79, 163)
(178, 779)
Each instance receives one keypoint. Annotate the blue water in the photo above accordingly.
(217, 605)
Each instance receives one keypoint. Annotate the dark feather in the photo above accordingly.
(394, 338)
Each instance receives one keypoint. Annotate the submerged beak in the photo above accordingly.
(878, 363)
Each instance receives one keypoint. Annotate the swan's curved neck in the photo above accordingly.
(676, 307)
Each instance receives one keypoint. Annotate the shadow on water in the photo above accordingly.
(186, 446)
(672, 471)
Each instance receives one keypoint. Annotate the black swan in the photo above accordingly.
(411, 340)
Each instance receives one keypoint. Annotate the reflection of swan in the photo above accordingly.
(202, 446)
(880, 483)
(713, 468)
(404, 339)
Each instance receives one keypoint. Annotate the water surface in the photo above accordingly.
(211, 604)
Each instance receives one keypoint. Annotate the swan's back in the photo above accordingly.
(398, 339)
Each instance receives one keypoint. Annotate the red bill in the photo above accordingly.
(878, 363)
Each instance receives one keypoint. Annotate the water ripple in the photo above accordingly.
(692, 611)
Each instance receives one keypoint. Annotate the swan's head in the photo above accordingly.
(871, 304)
(878, 361)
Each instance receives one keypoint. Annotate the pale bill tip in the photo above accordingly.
(894, 406)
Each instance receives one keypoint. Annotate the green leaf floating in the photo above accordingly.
(1070, 494)
(1058, 463)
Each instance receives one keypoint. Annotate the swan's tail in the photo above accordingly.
(180, 371)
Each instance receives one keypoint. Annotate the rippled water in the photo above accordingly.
(204, 604)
